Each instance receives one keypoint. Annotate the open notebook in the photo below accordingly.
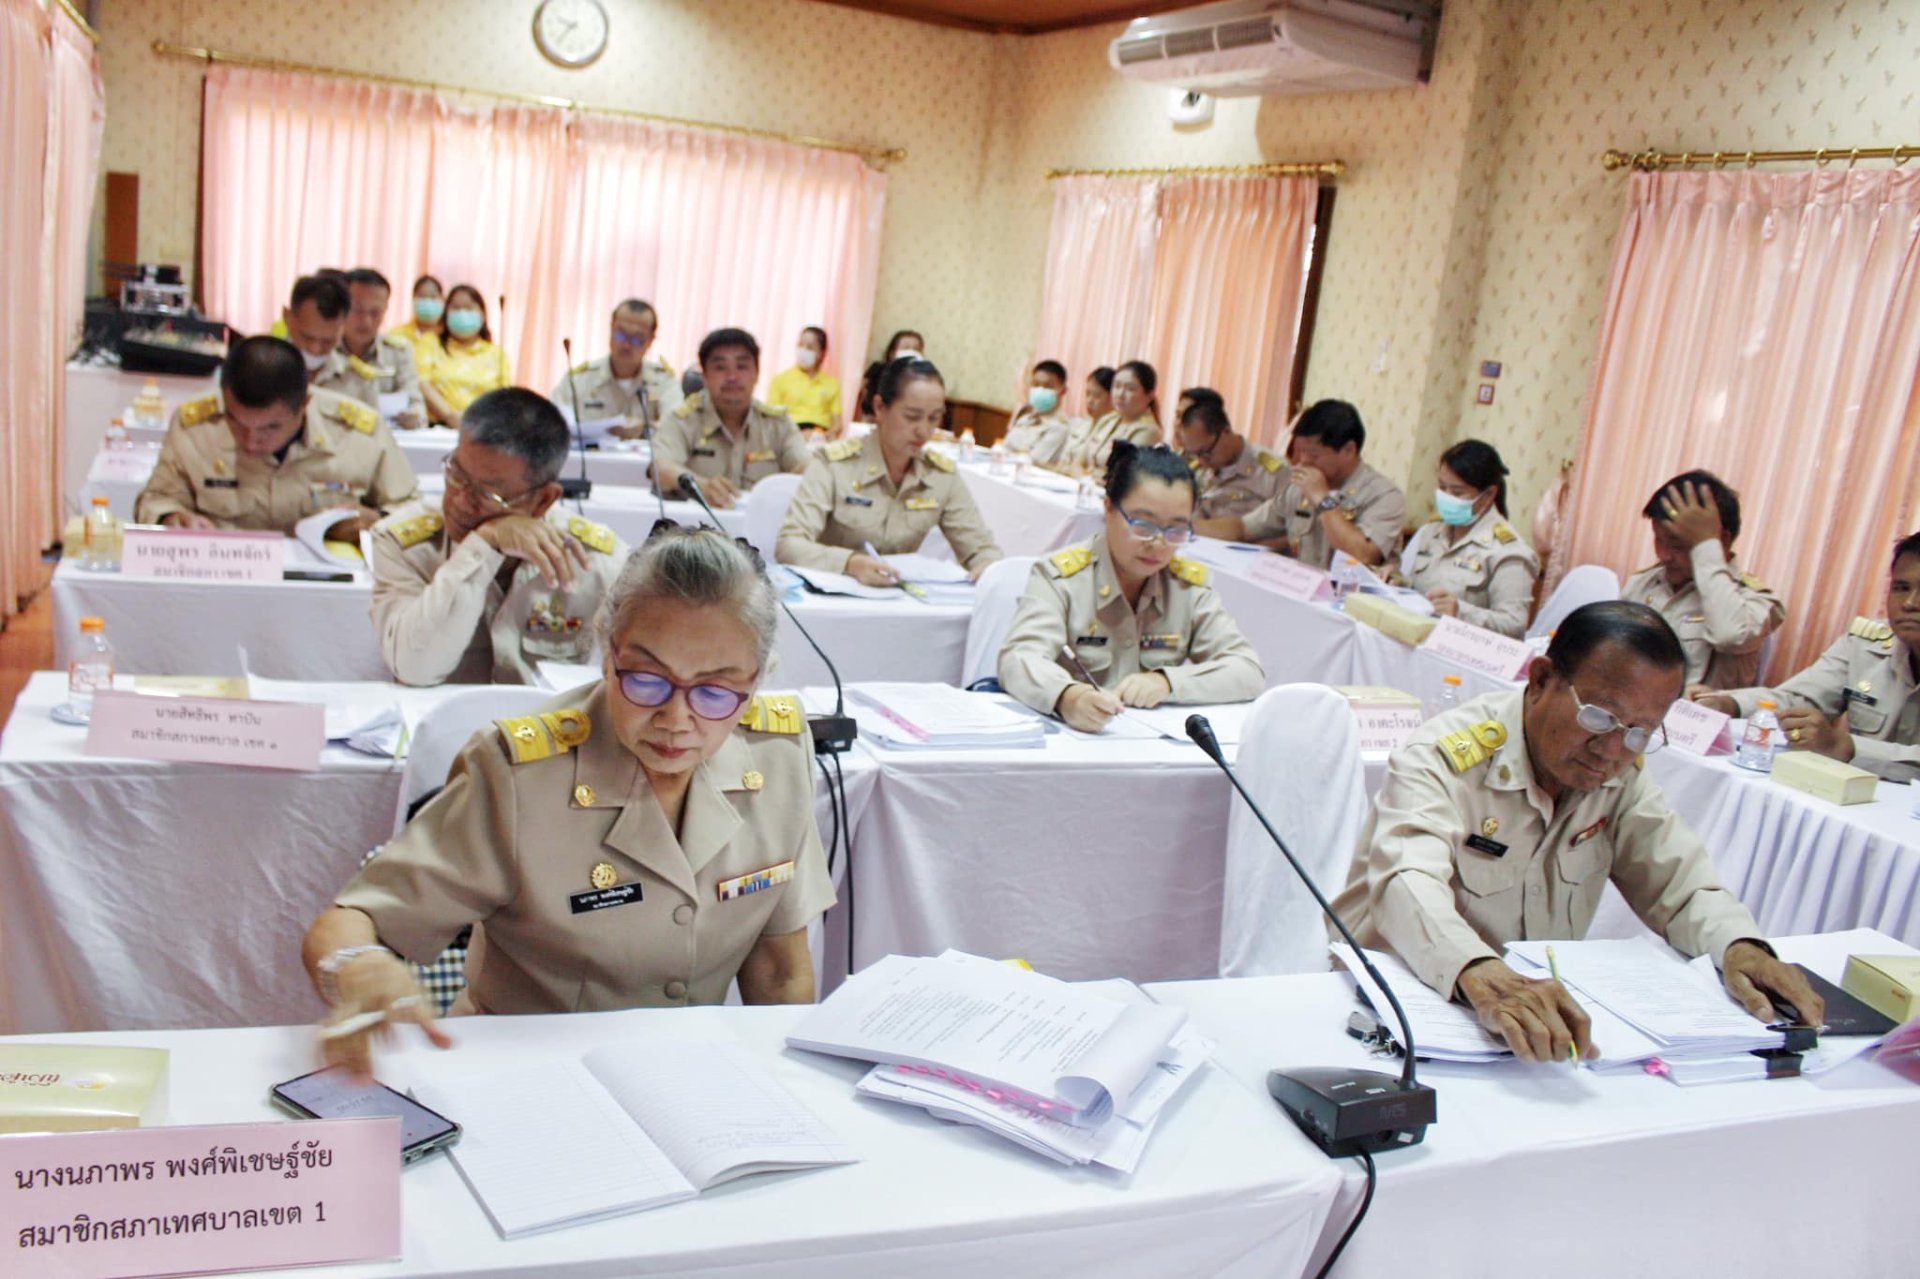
(627, 1127)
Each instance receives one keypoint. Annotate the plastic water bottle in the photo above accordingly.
(1762, 740)
(117, 438)
(997, 458)
(98, 552)
(966, 445)
(91, 670)
(1449, 698)
(150, 407)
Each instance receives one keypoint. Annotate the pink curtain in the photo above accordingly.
(77, 122)
(1766, 327)
(563, 214)
(1202, 277)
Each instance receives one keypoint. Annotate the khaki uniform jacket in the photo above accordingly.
(691, 438)
(1376, 505)
(1868, 673)
(548, 840)
(345, 456)
(1092, 449)
(1042, 439)
(846, 500)
(391, 370)
(1723, 617)
(1256, 476)
(602, 396)
(1178, 628)
(1462, 854)
(1490, 571)
(443, 617)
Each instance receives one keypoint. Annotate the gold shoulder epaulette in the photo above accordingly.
(357, 415)
(1472, 746)
(416, 529)
(1271, 462)
(691, 405)
(1071, 560)
(841, 450)
(774, 713)
(396, 341)
(1869, 630)
(1751, 582)
(537, 737)
(594, 536)
(1503, 533)
(665, 367)
(771, 410)
(938, 461)
(204, 409)
(365, 370)
(1189, 571)
(1193, 463)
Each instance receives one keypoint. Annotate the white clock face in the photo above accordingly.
(571, 32)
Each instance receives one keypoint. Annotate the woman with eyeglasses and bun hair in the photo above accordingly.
(642, 842)
(1122, 620)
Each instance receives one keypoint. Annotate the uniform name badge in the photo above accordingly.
(700, 452)
(604, 898)
(771, 877)
(753, 457)
(854, 499)
(1092, 641)
(1483, 844)
(220, 482)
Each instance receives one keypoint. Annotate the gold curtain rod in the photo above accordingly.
(1327, 169)
(1653, 161)
(79, 19)
(876, 154)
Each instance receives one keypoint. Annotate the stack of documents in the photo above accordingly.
(1063, 1071)
(1442, 1029)
(939, 717)
(364, 716)
(930, 580)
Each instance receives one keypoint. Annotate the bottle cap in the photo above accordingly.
(1766, 705)
(1451, 681)
(100, 501)
(91, 624)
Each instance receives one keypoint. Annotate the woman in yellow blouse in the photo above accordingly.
(427, 324)
(810, 396)
(465, 364)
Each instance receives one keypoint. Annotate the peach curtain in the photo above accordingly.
(1202, 277)
(77, 124)
(1766, 327)
(562, 213)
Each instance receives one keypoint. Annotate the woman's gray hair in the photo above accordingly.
(693, 566)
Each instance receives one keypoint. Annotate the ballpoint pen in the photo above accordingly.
(1553, 966)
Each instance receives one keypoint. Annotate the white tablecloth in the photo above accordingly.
(1223, 1191)
(95, 395)
(1547, 1170)
(136, 894)
(1032, 518)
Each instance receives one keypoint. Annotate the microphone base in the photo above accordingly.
(833, 734)
(578, 487)
(1346, 1112)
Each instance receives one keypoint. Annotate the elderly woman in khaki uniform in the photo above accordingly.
(884, 490)
(1140, 624)
(642, 842)
(1470, 563)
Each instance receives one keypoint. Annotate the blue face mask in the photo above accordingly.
(463, 323)
(428, 310)
(1456, 511)
(1043, 398)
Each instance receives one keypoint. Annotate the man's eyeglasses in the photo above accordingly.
(1599, 720)
(708, 701)
(457, 478)
(630, 341)
(1147, 530)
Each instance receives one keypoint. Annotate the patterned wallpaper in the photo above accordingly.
(1475, 221)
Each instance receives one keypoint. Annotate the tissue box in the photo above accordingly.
(80, 1087)
(1389, 618)
(1888, 984)
(1825, 778)
(1375, 695)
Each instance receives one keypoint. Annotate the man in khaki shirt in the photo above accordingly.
(724, 436)
(627, 382)
(1236, 475)
(1332, 501)
(367, 366)
(846, 502)
(265, 453)
(1039, 429)
(1504, 820)
(1722, 616)
(1859, 703)
(481, 586)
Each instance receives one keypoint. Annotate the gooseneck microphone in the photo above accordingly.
(579, 489)
(832, 734)
(1343, 1111)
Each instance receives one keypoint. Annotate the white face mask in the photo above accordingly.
(314, 362)
(806, 357)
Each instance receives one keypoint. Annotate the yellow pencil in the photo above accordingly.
(1553, 966)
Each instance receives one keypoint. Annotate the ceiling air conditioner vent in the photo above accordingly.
(1241, 35)
(1240, 48)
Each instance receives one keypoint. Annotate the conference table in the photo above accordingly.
(141, 894)
(618, 462)
(95, 395)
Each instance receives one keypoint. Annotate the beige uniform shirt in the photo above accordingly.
(1869, 674)
(691, 438)
(1374, 502)
(846, 500)
(1042, 439)
(1094, 448)
(602, 395)
(1723, 617)
(390, 370)
(1178, 628)
(548, 840)
(1461, 853)
(345, 456)
(1490, 571)
(1255, 477)
(466, 614)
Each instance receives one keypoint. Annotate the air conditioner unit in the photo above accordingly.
(1242, 48)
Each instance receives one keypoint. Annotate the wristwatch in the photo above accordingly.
(329, 967)
(1327, 503)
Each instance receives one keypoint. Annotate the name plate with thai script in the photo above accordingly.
(1478, 649)
(1697, 729)
(207, 730)
(1291, 578)
(1384, 727)
(202, 555)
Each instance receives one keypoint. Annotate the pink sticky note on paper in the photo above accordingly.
(1478, 649)
(199, 1200)
(208, 730)
(202, 555)
(1291, 578)
(1383, 727)
(1697, 729)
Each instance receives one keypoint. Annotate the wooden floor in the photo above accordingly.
(26, 645)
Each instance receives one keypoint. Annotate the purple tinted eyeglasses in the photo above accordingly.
(708, 701)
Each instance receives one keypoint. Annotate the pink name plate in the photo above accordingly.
(1697, 729)
(202, 555)
(1479, 650)
(208, 730)
(199, 1200)
(1290, 578)
(1385, 727)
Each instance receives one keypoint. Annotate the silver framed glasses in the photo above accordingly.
(1599, 721)
(1147, 530)
(458, 478)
